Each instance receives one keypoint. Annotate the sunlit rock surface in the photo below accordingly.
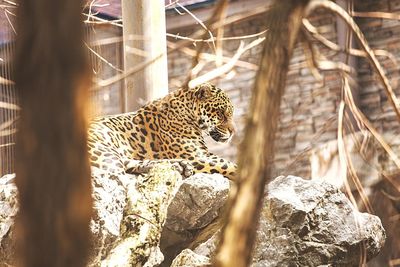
(304, 223)
(188, 258)
(145, 212)
(109, 199)
(310, 223)
(313, 223)
(8, 210)
(197, 202)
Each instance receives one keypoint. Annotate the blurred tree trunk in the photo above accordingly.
(256, 151)
(53, 174)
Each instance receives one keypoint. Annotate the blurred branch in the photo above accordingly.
(362, 119)
(211, 57)
(102, 58)
(216, 39)
(257, 148)
(6, 105)
(97, 19)
(226, 67)
(376, 15)
(335, 47)
(216, 17)
(311, 59)
(103, 83)
(5, 81)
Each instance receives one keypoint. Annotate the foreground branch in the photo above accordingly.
(52, 167)
(283, 22)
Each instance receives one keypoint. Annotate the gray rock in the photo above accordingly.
(208, 247)
(312, 223)
(309, 223)
(109, 199)
(304, 223)
(144, 215)
(8, 210)
(188, 258)
(197, 202)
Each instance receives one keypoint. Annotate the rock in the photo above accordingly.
(304, 223)
(144, 216)
(197, 202)
(309, 223)
(109, 198)
(8, 210)
(188, 258)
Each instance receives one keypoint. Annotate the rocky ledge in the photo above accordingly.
(159, 219)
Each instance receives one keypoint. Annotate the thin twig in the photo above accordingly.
(226, 67)
(216, 16)
(102, 58)
(6, 105)
(355, 110)
(119, 77)
(175, 36)
(377, 15)
(211, 57)
(200, 22)
(352, 51)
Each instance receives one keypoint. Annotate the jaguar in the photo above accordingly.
(169, 129)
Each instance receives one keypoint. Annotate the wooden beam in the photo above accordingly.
(147, 19)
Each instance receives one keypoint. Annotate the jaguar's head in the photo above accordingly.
(214, 112)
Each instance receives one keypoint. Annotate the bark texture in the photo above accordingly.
(53, 174)
(283, 23)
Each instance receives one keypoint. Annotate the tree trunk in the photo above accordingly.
(256, 151)
(53, 174)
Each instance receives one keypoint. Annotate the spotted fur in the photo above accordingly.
(168, 129)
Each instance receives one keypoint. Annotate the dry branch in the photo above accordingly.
(241, 37)
(362, 119)
(211, 57)
(226, 67)
(360, 36)
(11, 106)
(377, 15)
(5, 81)
(119, 77)
(256, 150)
(217, 16)
(102, 58)
(352, 51)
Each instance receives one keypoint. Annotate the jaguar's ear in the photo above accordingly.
(203, 91)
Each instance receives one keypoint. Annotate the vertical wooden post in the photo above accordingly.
(144, 29)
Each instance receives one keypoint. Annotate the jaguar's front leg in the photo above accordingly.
(215, 164)
(184, 167)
